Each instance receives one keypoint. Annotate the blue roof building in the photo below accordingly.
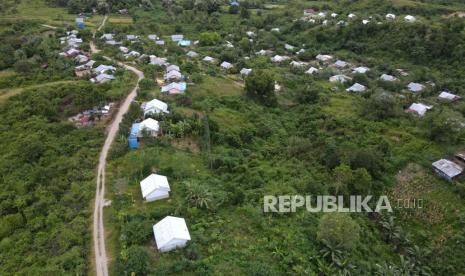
(234, 3)
(132, 140)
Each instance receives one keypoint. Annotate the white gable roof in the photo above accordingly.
(149, 124)
(156, 104)
(419, 108)
(386, 77)
(153, 183)
(415, 87)
(361, 70)
(448, 96)
(356, 87)
(169, 229)
(311, 70)
(226, 65)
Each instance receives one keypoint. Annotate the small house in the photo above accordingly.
(386, 77)
(250, 34)
(245, 71)
(124, 49)
(334, 15)
(155, 106)
(323, 58)
(226, 65)
(234, 3)
(356, 87)
(311, 70)
(155, 187)
(390, 16)
(107, 36)
(149, 127)
(415, 87)
(288, 47)
(419, 109)
(410, 18)
(160, 42)
(278, 58)
(104, 68)
(173, 67)
(276, 30)
(173, 75)
(447, 169)
(184, 43)
(339, 78)
(340, 64)
(360, 70)
(174, 88)
(102, 78)
(446, 96)
(171, 233)
(192, 54)
(152, 37)
(131, 37)
(261, 52)
(352, 16)
(208, 59)
(154, 60)
(177, 37)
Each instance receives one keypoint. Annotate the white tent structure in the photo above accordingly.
(446, 96)
(410, 18)
(171, 233)
(155, 187)
(311, 70)
(357, 87)
(154, 107)
(419, 109)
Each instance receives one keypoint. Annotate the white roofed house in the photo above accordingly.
(352, 16)
(356, 87)
(334, 15)
(104, 68)
(410, 18)
(173, 67)
(250, 34)
(152, 37)
(133, 54)
(208, 59)
(155, 106)
(107, 36)
(390, 16)
(446, 96)
(297, 63)
(154, 60)
(321, 57)
(171, 233)
(131, 37)
(155, 187)
(360, 70)
(81, 59)
(177, 37)
(447, 169)
(340, 64)
(311, 70)
(415, 87)
(160, 42)
(124, 49)
(288, 47)
(149, 127)
(278, 58)
(226, 65)
(192, 54)
(245, 71)
(173, 75)
(174, 88)
(419, 109)
(102, 78)
(386, 77)
(339, 78)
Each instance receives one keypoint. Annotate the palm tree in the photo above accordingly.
(332, 250)
(198, 195)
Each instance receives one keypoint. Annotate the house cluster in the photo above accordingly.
(325, 18)
(87, 117)
(109, 39)
(149, 127)
(171, 232)
(174, 81)
(450, 169)
(103, 73)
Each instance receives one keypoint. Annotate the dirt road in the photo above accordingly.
(98, 233)
(93, 48)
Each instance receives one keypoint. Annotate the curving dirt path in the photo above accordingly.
(98, 233)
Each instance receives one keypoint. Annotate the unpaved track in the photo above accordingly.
(98, 233)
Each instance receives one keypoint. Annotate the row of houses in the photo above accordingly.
(177, 38)
(312, 16)
(171, 232)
